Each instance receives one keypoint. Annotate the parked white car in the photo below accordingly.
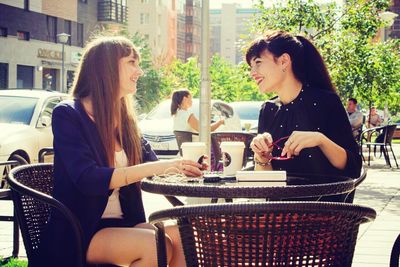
(157, 125)
(25, 124)
(248, 112)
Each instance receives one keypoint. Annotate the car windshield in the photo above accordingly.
(16, 109)
(247, 112)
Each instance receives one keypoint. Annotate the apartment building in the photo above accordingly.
(228, 25)
(30, 52)
(155, 20)
(188, 28)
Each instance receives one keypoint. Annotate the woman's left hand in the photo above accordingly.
(299, 140)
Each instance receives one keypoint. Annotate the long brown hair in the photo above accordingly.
(97, 77)
(177, 98)
(307, 63)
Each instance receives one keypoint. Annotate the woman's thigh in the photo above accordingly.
(123, 246)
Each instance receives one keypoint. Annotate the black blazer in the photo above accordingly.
(82, 181)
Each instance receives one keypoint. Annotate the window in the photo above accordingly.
(144, 18)
(83, 1)
(80, 34)
(49, 79)
(3, 32)
(3, 75)
(146, 37)
(26, 4)
(23, 35)
(67, 29)
(52, 29)
(24, 76)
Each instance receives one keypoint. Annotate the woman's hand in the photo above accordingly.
(261, 145)
(189, 167)
(299, 140)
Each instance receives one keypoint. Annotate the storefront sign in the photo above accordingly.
(76, 57)
(51, 54)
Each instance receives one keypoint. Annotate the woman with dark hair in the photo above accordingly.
(304, 129)
(184, 119)
(99, 161)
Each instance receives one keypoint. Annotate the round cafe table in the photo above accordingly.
(295, 187)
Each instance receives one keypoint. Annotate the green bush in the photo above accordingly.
(14, 263)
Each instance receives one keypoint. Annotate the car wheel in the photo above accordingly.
(21, 160)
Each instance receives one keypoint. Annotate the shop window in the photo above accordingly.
(49, 79)
(80, 34)
(3, 75)
(24, 76)
(70, 79)
(3, 32)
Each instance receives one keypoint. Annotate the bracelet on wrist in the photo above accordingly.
(263, 164)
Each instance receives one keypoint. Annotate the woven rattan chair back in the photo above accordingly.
(182, 137)
(218, 137)
(32, 187)
(268, 234)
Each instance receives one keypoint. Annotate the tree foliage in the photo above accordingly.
(228, 82)
(360, 67)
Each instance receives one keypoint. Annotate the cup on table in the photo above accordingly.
(193, 151)
(232, 157)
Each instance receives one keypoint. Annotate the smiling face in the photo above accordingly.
(267, 71)
(129, 73)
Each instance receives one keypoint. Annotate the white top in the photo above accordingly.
(181, 120)
(113, 208)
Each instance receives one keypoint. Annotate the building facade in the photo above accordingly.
(30, 51)
(188, 28)
(228, 25)
(155, 20)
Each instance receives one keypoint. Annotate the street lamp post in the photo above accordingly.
(63, 39)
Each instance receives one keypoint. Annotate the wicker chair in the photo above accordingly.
(267, 234)
(182, 137)
(384, 141)
(32, 186)
(46, 151)
(394, 256)
(218, 137)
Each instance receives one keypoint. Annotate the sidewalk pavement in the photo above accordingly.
(380, 190)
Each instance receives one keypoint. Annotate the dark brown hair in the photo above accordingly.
(307, 63)
(177, 97)
(97, 77)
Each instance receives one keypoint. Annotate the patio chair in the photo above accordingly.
(31, 187)
(218, 137)
(394, 256)
(46, 151)
(384, 141)
(266, 234)
(182, 137)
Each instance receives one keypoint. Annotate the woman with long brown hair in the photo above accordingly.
(99, 161)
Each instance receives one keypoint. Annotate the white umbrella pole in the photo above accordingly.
(205, 92)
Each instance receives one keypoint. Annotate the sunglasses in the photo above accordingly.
(276, 145)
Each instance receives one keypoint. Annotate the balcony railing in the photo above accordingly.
(111, 11)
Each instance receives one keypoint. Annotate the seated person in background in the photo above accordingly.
(184, 118)
(355, 116)
(374, 120)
